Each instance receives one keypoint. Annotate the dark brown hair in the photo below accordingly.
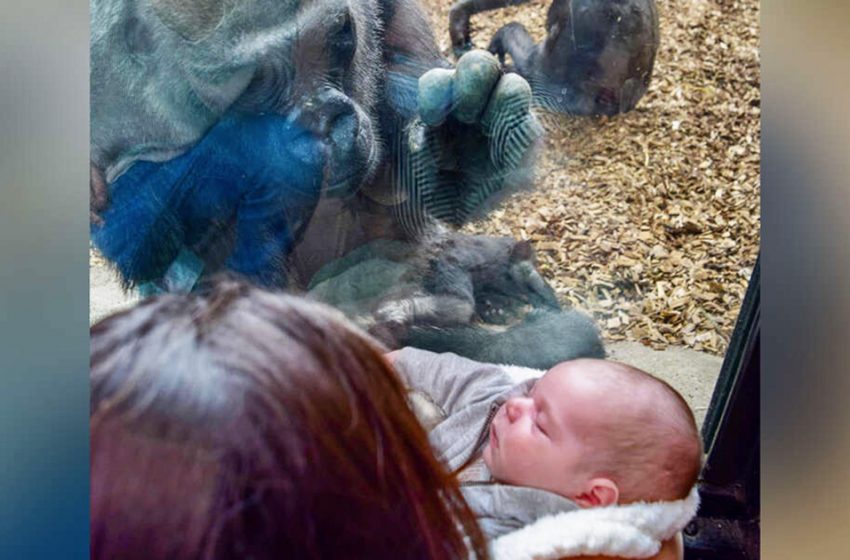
(247, 424)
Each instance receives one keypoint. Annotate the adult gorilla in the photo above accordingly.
(270, 137)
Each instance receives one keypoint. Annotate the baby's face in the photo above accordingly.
(543, 440)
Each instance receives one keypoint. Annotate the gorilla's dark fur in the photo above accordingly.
(343, 72)
(475, 295)
(597, 57)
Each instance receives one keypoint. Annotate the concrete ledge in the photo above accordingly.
(691, 373)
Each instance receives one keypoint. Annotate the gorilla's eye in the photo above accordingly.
(343, 42)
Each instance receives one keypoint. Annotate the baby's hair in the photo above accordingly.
(653, 447)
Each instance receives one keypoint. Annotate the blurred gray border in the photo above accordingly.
(806, 275)
(43, 280)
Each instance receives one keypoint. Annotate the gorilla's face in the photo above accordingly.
(326, 79)
(614, 52)
(164, 71)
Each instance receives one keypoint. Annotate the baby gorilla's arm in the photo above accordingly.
(671, 549)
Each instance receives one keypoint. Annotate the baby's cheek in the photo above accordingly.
(522, 453)
(487, 455)
(522, 471)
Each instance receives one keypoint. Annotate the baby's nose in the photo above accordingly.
(516, 407)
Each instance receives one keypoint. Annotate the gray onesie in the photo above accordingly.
(467, 395)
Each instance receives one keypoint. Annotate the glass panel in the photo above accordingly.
(648, 220)
(422, 186)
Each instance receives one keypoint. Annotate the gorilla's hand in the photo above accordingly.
(475, 131)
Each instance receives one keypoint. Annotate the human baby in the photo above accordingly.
(599, 433)
(595, 432)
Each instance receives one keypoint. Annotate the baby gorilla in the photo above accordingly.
(596, 59)
(597, 432)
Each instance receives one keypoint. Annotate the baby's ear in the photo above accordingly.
(600, 492)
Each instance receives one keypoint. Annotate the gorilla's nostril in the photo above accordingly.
(343, 129)
(332, 117)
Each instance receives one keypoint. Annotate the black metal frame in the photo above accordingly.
(727, 525)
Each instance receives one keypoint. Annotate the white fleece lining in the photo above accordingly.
(519, 373)
(629, 531)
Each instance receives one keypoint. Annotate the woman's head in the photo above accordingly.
(245, 424)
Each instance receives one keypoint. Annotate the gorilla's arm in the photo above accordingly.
(460, 13)
(541, 340)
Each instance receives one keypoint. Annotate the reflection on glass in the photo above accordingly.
(425, 187)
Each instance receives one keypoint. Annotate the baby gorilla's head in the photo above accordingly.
(599, 433)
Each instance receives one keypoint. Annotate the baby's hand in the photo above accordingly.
(391, 356)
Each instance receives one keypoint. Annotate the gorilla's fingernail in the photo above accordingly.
(514, 86)
(417, 138)
(476, 75)
(435, 95)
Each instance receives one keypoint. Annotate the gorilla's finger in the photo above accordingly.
(476, 75)
(511, 101)
(436, 91)
(509, 123)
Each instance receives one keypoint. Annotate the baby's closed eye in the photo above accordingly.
(540, 427)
